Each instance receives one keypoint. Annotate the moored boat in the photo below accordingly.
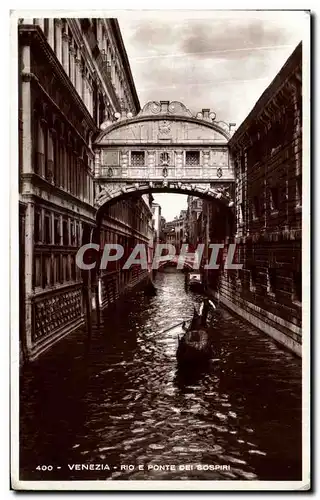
(194, 281)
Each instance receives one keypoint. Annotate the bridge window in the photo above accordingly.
(192, 158)
(137, 158)
(164, 158)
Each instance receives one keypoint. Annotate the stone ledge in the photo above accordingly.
(277, 335)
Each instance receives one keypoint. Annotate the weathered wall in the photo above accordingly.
(267, 150)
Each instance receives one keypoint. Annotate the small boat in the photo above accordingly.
(195, 347)
(194, 281)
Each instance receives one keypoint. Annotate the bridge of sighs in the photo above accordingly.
(164, 149)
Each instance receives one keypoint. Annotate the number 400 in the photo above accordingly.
(44, 467)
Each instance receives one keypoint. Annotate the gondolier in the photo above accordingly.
(204, 311)
(195, 347)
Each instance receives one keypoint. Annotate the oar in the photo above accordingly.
(174, 326)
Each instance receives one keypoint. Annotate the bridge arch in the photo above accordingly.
(163, 149)
(113, 192)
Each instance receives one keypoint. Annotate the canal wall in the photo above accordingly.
(115, 285)
(282, 331)
(267, 154)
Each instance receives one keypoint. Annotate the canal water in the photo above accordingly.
(120, 400)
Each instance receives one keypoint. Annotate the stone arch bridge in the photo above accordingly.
(163, 149)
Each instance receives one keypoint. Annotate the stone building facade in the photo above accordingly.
(175, 231)
(267, 152)
(74, 76)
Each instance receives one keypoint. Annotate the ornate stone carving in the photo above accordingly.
(173, 108)
(109, 191)
(164, 128)
(56, 311)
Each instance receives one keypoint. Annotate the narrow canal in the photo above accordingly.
(122, 402)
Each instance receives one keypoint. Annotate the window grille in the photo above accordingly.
(137, 158)
(192, 158)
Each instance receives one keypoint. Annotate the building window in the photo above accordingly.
(37, 227)
(37, 271)
(192, 158)
(47, 229)
(256, 207)
(73, 268)
(274, 199)
(73, 233)
(65, 267)
(65, 233)
(57, 268)
(46, 27)
(243, 163)
(56, 231)
(137, 158)
(297, 286)
(271, 280)
(299, 190)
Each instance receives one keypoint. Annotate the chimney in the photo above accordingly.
(205, 113)
(164, 105)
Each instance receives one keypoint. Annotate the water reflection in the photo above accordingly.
(125, 401)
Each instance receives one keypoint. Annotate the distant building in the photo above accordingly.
(175, 231)
(193, 212)
(156, 218)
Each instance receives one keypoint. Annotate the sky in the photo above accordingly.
(222, 60)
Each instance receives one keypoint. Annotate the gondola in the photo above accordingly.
(194, 282)
(195, 347)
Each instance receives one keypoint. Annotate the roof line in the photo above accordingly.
(117, 33)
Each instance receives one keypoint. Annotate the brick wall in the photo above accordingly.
(267, 152)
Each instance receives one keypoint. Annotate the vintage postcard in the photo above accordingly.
(158, 220)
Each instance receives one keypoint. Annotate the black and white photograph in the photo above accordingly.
(161, 174)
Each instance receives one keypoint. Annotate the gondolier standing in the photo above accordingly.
(204, 310)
